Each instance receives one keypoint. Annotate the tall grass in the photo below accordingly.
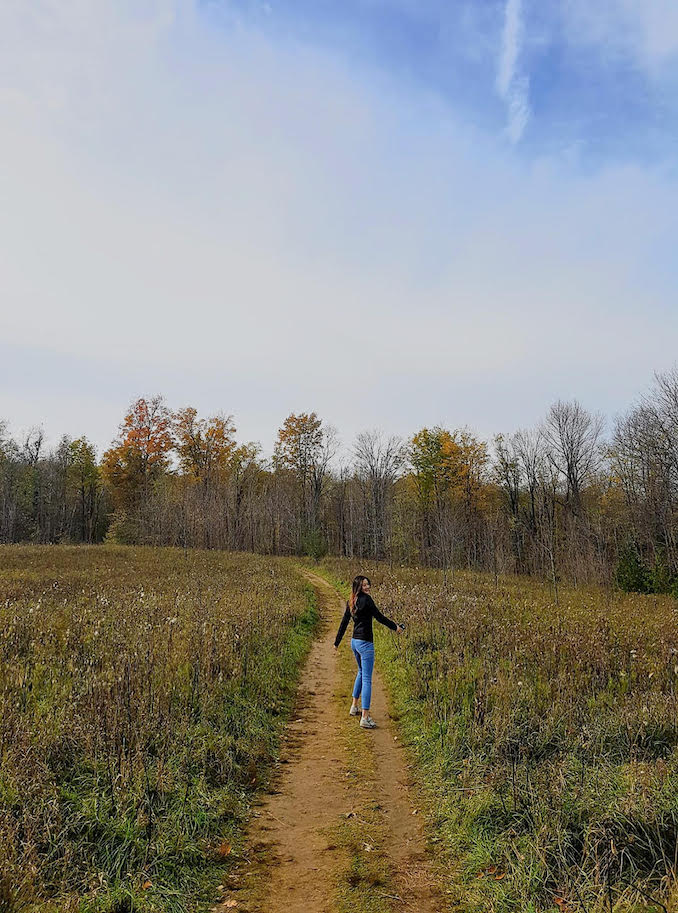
(141, 694)
(548, 734)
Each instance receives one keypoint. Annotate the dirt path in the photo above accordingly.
(340, 831)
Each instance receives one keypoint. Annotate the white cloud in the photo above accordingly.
(260, 228)
(512, 85)
(510, 46)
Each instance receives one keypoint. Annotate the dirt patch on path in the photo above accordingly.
(299, 863)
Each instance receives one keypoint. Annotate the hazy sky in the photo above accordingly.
(392, 212)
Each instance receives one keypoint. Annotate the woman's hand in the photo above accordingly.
(400, 628)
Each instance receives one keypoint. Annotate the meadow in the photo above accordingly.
(142, 695)
(544, 734)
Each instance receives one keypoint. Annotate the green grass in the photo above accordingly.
(142, 697)
(545, 736)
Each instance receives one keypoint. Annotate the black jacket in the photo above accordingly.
(365, 611)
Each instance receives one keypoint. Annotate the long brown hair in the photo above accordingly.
(356, 590)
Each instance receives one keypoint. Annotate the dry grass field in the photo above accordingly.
(546, 735)
(142, 694)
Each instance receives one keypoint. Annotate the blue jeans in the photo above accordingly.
(363, 650)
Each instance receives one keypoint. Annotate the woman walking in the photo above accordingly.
(361, 608)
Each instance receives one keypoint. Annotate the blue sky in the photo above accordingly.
(396, 213)
(601, 81)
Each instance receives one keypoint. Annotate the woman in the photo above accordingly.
(361, 608)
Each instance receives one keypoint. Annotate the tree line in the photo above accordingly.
(562, 500)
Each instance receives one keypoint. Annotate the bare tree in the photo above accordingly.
(663, 405)
(32, 446)
(510, 476)
(644, 458)
(572, 436)
(320, 466)
(378, 460)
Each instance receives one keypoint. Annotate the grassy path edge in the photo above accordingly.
(298, 644)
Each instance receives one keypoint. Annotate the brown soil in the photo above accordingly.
(331, 772)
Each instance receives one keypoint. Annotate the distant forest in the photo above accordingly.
(562, 500)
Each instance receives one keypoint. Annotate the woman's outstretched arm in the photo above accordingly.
(381, 618)
(342, 627)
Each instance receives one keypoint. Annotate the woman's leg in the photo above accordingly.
(367, 665)
(357, 687)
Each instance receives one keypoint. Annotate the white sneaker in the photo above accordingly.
(367, 723)
(354, 711)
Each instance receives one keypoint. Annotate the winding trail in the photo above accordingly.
(341, 793)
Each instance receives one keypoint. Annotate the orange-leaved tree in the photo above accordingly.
(139, 455)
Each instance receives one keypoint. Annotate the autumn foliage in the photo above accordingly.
(140, 454)
(205, 447)
(559, 500)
